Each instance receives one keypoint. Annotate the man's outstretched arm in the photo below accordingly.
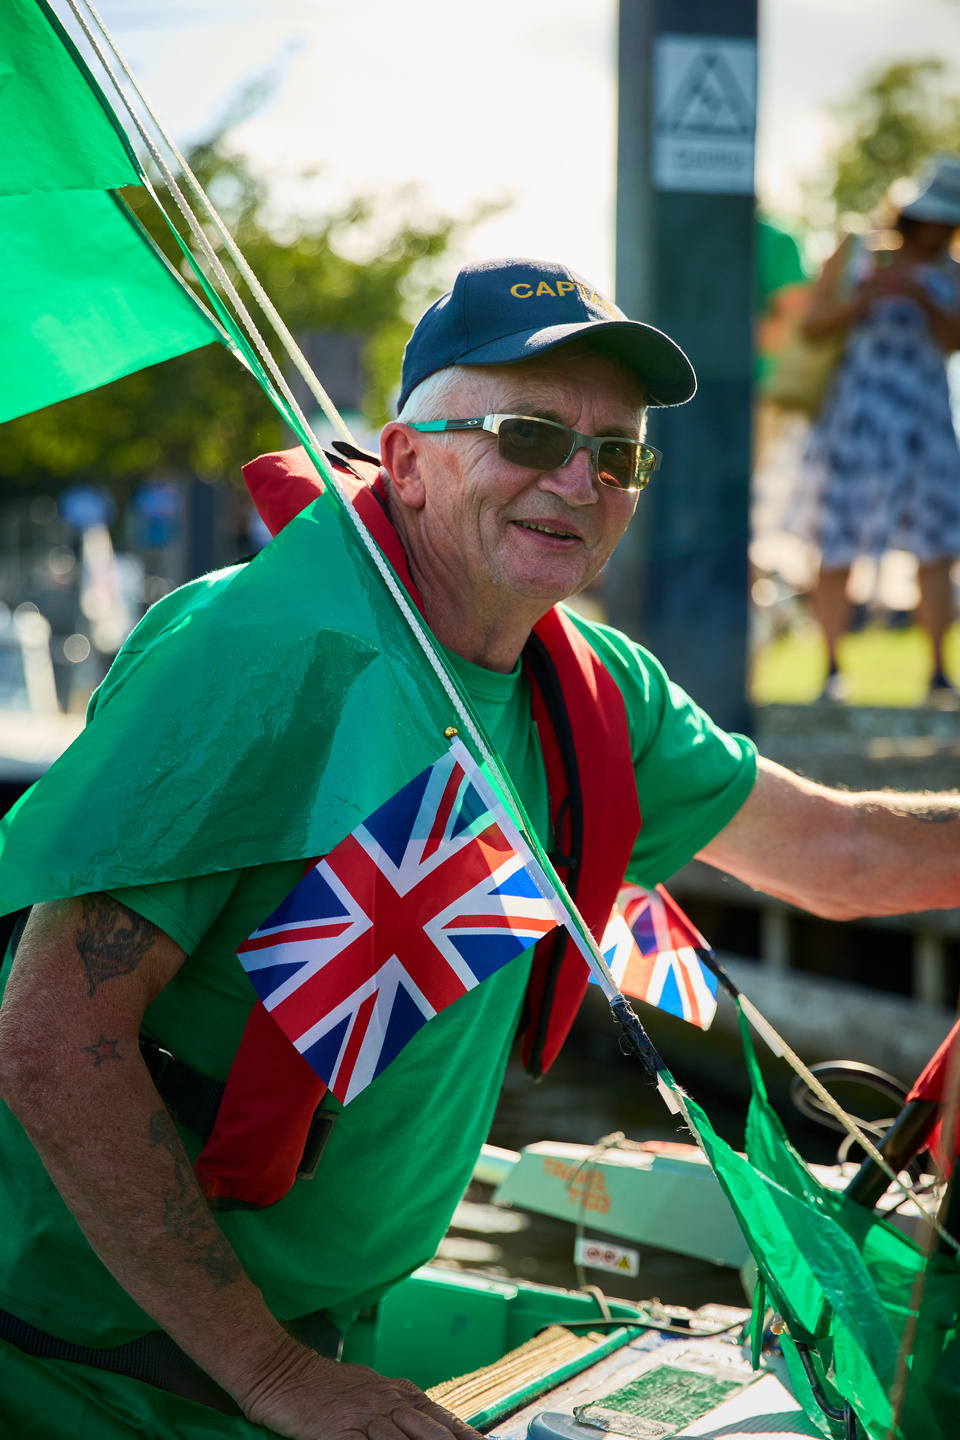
(842, 854)
(71, 1071)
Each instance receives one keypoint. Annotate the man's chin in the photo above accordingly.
(549, 583)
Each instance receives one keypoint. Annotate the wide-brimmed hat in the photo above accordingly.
(503, 311)
(938, 193)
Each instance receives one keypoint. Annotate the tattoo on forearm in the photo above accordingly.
(111, 939)
(102, 1050)
(185, 1213)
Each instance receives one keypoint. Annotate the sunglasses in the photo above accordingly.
(545, 445)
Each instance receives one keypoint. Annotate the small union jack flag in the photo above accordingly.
(651, 949)
(422, 902)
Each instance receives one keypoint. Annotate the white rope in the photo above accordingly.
(236, 254)
(578, 928)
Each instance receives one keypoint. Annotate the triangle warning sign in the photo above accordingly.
(709, 100)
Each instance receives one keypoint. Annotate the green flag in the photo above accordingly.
(85, 295)
(300, 707)
(843, 1280)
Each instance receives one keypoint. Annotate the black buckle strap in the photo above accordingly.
(157, 1360)
(192, 1098)
(153, 1358)
(317, 1137)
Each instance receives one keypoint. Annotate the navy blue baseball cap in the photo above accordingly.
(502, 311)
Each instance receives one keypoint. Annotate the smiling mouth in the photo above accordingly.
(547, 530)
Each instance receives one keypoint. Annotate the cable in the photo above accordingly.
(640, 1323)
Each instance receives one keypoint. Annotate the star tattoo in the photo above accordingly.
(104, 1049)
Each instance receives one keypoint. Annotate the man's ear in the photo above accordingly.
(400, 451)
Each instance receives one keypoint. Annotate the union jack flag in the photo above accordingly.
(651, 948)
(423, 901)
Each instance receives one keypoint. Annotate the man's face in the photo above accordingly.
(483, 522)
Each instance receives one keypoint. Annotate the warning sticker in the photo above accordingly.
(601, 1255)
(705, 114)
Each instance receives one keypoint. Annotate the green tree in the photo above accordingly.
(202, 413)
(896, 119)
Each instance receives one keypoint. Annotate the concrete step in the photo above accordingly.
(864, 747)
(829, 1020)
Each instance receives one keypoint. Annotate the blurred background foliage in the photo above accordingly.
(895, 120)
(368, 270)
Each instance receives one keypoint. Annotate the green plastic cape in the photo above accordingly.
(256, 715)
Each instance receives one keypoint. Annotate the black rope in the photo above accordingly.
(637, 1038)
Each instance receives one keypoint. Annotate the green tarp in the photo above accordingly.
(85, 295)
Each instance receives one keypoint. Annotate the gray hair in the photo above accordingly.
(430, 400)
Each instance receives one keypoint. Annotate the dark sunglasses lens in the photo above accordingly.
(626, 465)
(533, 443)
(617, 465)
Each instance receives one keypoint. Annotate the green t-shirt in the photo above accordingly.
(401, 1154)
(778, 263)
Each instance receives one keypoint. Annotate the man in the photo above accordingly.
(497, 524)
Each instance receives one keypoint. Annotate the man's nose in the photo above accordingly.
(573, 482)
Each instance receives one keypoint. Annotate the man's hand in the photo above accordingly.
(841, 854)
(317, 1399)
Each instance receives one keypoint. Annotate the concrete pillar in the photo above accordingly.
(775, 937)
(930, 969)
(685, 243)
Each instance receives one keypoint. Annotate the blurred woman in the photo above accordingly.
(883, 453)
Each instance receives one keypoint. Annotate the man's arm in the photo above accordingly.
(841, 855)
(71, 1071)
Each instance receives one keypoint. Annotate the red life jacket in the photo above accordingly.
(271, 1095)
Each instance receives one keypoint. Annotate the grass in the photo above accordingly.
(882, 667)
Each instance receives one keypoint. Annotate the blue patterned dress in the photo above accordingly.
(882, 458)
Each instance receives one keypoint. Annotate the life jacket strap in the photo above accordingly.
(193, 1099)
